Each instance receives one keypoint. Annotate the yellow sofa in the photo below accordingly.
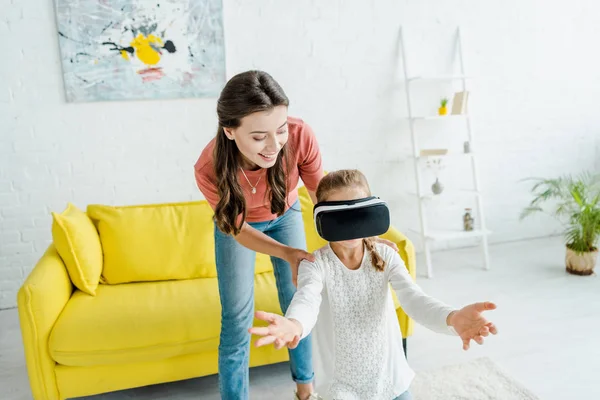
(163, 325)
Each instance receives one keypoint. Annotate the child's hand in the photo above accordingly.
(469, 323)
(281, 331)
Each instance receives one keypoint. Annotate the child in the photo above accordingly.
(357, 344)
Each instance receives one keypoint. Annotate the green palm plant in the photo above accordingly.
(576, 204)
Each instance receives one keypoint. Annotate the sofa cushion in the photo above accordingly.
(155, 242)
(139, 322)
(77, 242)
(158, 242)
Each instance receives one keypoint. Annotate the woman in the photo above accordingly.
(249, 175)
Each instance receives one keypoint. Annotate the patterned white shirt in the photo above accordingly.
(357, 343)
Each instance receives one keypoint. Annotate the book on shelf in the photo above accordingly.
(433, 152)
(459, 103)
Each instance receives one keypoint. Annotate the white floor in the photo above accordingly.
(549, 325)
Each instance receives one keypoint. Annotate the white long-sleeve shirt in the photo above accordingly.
(357, 342)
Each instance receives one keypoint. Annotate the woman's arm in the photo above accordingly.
(426, 310)
(248, 236)
(261, 243)
(256, 240)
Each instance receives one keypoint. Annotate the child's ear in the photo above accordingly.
(229, 133)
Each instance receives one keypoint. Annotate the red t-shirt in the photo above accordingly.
(306, 159)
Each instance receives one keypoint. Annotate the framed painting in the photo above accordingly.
(132, 50)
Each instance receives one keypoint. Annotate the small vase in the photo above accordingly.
(468, 220)
(437, 187)
(443, 110)
(467, 147)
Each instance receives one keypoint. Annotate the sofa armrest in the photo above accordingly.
(40, 301)
(406, 250)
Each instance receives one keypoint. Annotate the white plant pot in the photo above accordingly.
(581, 263)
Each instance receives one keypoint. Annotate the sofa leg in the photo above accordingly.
(404, 346)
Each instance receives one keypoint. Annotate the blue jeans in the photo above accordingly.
(404, 396)
(235, 271)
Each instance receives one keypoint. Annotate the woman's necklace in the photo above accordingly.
(253, 187)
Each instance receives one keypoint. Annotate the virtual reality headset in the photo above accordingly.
(355, 219)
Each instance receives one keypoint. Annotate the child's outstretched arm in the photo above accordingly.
(467, 322)
(301, 315)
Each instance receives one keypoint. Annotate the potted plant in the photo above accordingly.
(577, 205)
(443, 110)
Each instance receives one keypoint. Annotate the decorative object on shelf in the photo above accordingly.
(436, 165)
(133, 50)
(576, 203)
(437, 187)
(468, 221)
(443, 110)
(459, 103)
(467, 147)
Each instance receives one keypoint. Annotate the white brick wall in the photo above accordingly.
(535, 107)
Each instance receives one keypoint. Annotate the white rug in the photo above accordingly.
(479, 379)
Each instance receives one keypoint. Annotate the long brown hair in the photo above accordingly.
(244, 94)
(344, 178)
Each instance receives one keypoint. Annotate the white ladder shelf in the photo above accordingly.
(429, 235)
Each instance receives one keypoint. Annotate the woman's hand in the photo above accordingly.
(294, 257)
(469, 323)
(281, 331)
(387, 243)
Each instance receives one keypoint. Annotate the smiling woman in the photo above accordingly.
(249, 174)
